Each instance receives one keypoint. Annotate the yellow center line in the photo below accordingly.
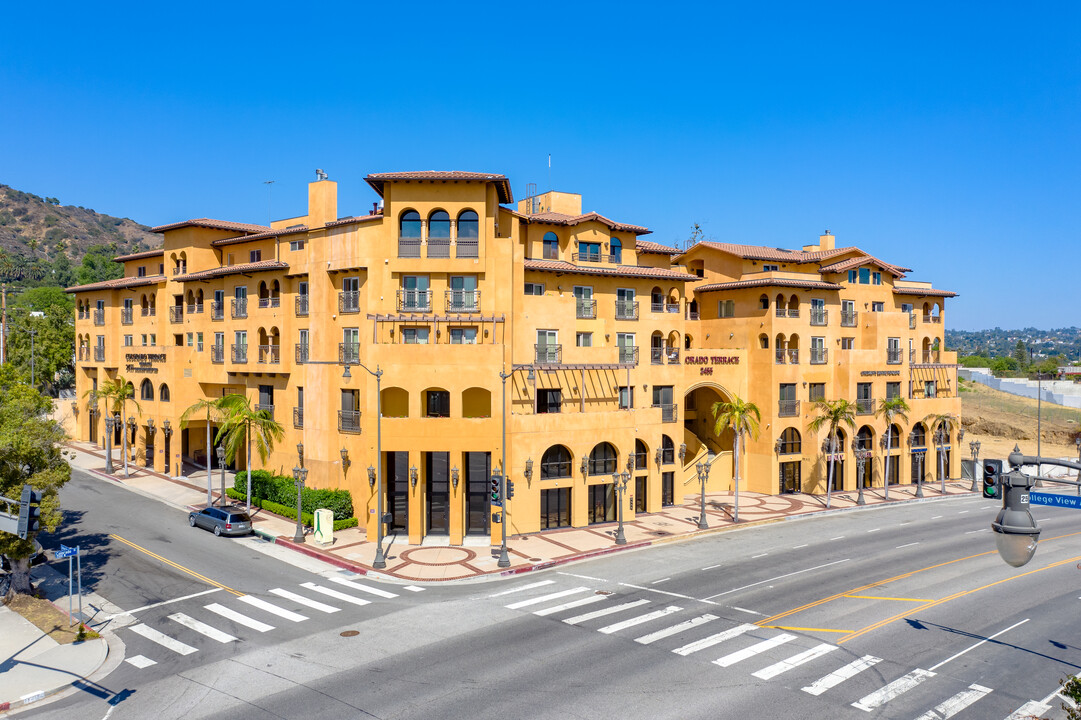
(876, 597)
(803, 629)
(170, 563)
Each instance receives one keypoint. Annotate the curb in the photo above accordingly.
(114, 655)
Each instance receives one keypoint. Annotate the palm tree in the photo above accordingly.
(890, 409)
(743, 418)
(947, 422)
(211, 407)
(92, 396)
(119, 391)
(239, 420)
(832, 414)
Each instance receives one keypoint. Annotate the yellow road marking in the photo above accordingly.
(803, 629)
(177, 566)
(963, 593)
(876, 597)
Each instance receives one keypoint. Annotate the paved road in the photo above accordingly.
(901, 612)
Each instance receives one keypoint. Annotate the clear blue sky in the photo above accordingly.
(944, 137)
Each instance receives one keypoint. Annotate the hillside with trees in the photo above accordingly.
(999, 343)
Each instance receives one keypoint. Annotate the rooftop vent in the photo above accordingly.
(320, 175)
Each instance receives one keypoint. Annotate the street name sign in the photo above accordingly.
(1055, 500)
(66, 551)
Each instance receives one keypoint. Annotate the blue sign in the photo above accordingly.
(1055, 500)
(66, 551)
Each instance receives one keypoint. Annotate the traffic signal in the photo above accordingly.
(496, 495)
(992, 479)
(29, 512)
(510, 489)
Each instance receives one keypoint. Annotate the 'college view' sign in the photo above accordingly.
(143, 362)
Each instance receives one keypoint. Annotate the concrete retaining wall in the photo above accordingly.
(1059, 392)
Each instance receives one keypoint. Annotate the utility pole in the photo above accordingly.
(3, 322)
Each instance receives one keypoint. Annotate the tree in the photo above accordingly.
(98, 265)
(117, 392)
(239, 421)
(1071, 697)
(832, 414)
(744, 419)
(1020, 354)
(212, 408)
(63, 275)
(30, 453)
(53, 336)
(889, 410)
(948, 421)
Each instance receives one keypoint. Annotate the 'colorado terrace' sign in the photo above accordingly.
(710, 361)
(143, 362)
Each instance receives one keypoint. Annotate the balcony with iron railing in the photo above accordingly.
(83, 315)
(438, 247)
(149, 311)
(195, 308)
(467, 248)
(932, 318)
(462, 301)
(626, 309)
(99, 353)
(548, 354)
(349, 353)
(627, 354)
(83, 354)
(819, 356)
(349, 421)
(865, 406)
(126, 316)
(587, 256)
(656, 356)
(270, 302)
(793, 356)
(787, 408)
(585, 309)
(217, 353)
(779, 356)
(669, 413)
(349, 301)
(265, 407)
(301, 353)
(298, 417)
(849, 318)
(301, 306)
(217, 310)
(893, 356)
(415, 301)
(99, 317)
(819, 317)
(240, 353)
(270, 354)
(793, 312)
(181, 269)
(408, 247)
(912, 321)
(691, 314)
(673, 355)
(240, 308)
(176, 313)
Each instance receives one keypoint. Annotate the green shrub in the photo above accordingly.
(282, 491)
(289, 511)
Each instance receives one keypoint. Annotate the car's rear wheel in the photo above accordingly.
(217, 530)
(191, 520)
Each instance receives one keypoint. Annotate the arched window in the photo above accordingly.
(436, 403)
(146, 390)
(395, 402)
(556, 463)
(439, 225)
(476, 403)
(865, 439)
(163, 393)
(468, 226)
(763, 340)
(790, 443)
(668, 450)
(918, 437)
(763, 302)
(641, 455)
(893, 437)
(602, 461)
(617, 250)
(409, 227)
(551, 246)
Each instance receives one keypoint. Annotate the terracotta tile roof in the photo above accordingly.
(242, 269)
(354, 219)
(118, 283)
(923, 292)
(377, 180)
(757, 252)
(261, 236)
(554, 218)
(768, 282)
(853, 263)
(644, 246)
(561, 266)
(213, 225)
(139, 255)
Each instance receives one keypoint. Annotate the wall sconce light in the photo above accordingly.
(345, 459)
(413, 476)
(131, 420)
(75, 409)
(630, 462)
(585, 465)
(528, 472)
(300, 452)
(454, 477)
(682, 451)
(371, 476)
(149, 424)
(659, 456)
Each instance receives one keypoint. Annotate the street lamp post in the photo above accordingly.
(1078, 441)
(109, 421)
(861, 463)
(504, 558)
(300, 474)
(619, 480)
(221, 466)
(702, 468)
(918, 455)
(941, 438)
(974, 448)
(884, 443)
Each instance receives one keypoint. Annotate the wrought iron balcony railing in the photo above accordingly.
(301, 353)
(149, 311)
(270, 302)
(462, 301)
(349, 301)
(819, 317)
(466, 248)
(240, 353)
(415, 301)
(893, 356)
(439, 247)
(673, 355)
(349, 353)
(99, 353)
(349, 421)
(819, 356)
(195, 308)
(126, 316)
(849, 318)
(301, 306)
(217, 353)
(265, 407)
(628, 354)
(270, 354)
(865, 406)
(298, 417)
(585, 309)
(240, 308)
(99, 317)
(217, 310)
(176, 313)
(626, 309)
(548, 354)
(669, 413)
(409, 247)
(787, 408)
(587, 256)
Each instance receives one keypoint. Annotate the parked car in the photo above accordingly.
(221, 521)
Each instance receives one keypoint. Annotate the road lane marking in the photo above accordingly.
(607, 611)
(899, 686)
(755, 557)
(202, 628)
(839, 537)
(335, 594)
(588, 600)
(546, 598)
(178, 566)
(877, 597)
(936, 517)
(906, 545)
(665, 592)
(838, 676)
(675, 629)
(364, 588)
(140, 661)
(520, 588)
(874, 530)
(163, 602)
(412, 588)
(622, 625)
(711, 567)
(962, 512)
(797, 547)
(981, 642)
(960, 701)
(714, 639)
(745, 610)
(162, 639)
(794, 661)
(1030, 709)
(976, 531)
(657, 582)
(779, 577)
(307, 602)
(805, 629)
(272, 608)
(757, 648)
(583, 577)
(238, 618)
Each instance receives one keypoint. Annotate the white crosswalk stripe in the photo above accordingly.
(606, 611)
(757, 648)
(162, 639)
(714, 639)
(675, 629)
(837, 677)
(588, 600)
(616, 627)
(238, 618)
(330, 592)
(272, 608)
(1031, 709)
(202, 628)
(956, 704)
(140, 661)
(364, 588)
(884, 694)
(301, 600)
(795, 661)
(520, 588)
(546, 598)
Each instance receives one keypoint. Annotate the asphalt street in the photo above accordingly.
(898, 612)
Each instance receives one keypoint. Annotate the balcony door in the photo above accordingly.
(478, 466)
(547, 346)
(396, 487)
(415, 296)
(463, 292)
(437, 497)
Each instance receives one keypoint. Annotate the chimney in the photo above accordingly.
(322, 201)
(826, 241)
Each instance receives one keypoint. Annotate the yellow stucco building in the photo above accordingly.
(601, 351)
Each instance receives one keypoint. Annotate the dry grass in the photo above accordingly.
(1000, 421)
(47, 618)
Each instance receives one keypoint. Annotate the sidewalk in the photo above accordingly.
(478, 559)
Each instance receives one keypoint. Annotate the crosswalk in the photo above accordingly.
(178, 633)
(737, 645)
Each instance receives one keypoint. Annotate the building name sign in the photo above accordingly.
(710, 361)
(880, 373)
(143, 362)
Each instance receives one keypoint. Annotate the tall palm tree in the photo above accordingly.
(743, 418)
(832, 414)
(948, 421)
(890, 409)
(239, 421)
(212, 409)
(118, 392)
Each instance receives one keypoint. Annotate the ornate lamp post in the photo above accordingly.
(299, 476)
(300, 453)
(1078, 441)
(702, 468)
(918, 454)
(221, 465)
(619, 480)
(884, 443)
(862, 456)
(941, 438)
(109, 423)
(167, 431)
(974, 448)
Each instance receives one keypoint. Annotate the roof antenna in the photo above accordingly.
(320, 175)
(268, 184)
(550, 188)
